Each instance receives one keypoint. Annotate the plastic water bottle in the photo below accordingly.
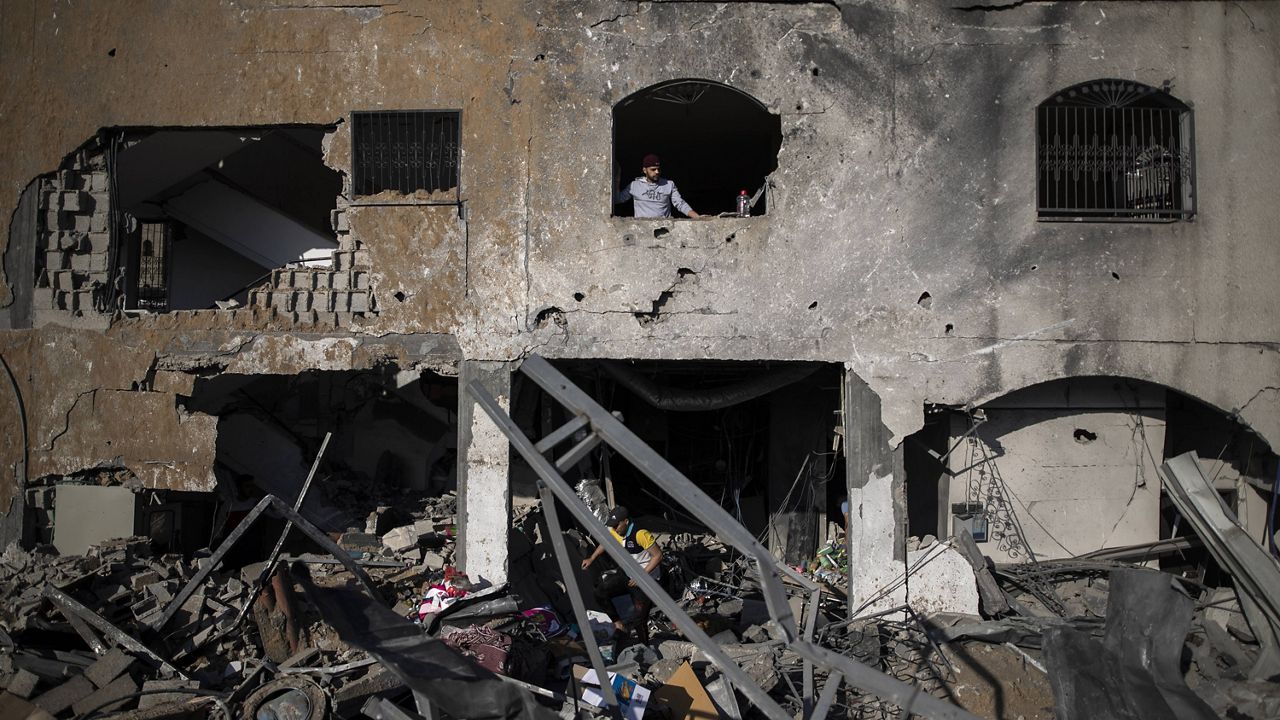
(744, 204)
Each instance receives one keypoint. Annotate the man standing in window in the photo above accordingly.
(653, 195)
(646, 551)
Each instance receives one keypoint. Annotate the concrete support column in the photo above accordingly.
(877, 501)
(484, 464)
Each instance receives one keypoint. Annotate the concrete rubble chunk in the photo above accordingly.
(400, 539)
(65, 695)
(16, 708)
(23, 683)
(108, 667)
(103, 698)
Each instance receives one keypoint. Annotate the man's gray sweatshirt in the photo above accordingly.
(653, 200)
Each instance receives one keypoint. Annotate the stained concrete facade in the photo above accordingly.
(907, 166)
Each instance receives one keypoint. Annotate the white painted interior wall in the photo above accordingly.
(1069, 495)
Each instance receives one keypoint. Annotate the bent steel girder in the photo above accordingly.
(608, 428)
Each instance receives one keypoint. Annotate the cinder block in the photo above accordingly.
(323, 280)
(64, 280)
(359, 302)
(65, 695)
(341, 301)
(71, 200)
(84, 301)
(42, 297)
(98, 222)
(361, 280)
(62, 300)
(97, 182)
(96, 242)
(98, 262)
(56, 260)
(100, 202)
(301, 301)
(119, 689)
(23, 683)
(108, 667)
(362, 259)
(69, 180)
(80, 262)
(280, 301)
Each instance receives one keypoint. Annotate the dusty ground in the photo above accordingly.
(993, 681)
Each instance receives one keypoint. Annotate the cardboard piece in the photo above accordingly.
(684, 697)
(633, 697)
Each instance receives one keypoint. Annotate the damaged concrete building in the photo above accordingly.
(999, 263)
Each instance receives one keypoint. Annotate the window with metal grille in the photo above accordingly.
(1114, 150)
(154, 242)
(408, 152)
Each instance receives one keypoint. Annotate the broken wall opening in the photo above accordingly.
(1069, 467)
(393, 445)
(714, 141)
(208, 213)
(756, 436)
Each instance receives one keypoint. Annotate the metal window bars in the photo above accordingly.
(155, 239)
(1114, 151)
(796, 636)
(405, 151)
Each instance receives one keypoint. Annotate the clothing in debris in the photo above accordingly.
(653, 199)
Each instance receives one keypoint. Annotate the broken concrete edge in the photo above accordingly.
(726, 528)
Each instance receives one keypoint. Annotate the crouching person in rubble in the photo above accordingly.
(646, 551)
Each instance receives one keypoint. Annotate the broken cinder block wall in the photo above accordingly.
(905, 169)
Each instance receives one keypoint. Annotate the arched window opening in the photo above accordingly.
(1114, 150)
(713, 140)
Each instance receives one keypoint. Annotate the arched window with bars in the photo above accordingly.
(1114, 150)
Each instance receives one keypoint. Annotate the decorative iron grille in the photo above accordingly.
(1114, 150)
(405, 151)
(154, 242)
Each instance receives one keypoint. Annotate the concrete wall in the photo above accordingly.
(907, 166)
(1075, 463)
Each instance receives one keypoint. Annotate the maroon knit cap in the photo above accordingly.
(650, 160)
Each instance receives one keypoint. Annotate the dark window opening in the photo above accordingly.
(714, 141)
(391, 459)
(153, 265)
(1114, 150)
(757, 437)
(406, 152)
(202, 216)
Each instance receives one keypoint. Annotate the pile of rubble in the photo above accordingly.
(378, 623)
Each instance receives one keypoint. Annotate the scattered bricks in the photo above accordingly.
(98, 222)
(341, 280)
(108, 667)
(23, 683)
(143, 579)
(12, 706)
(65, 695)
(433, 561)
(400, 539)
(361, 280)
(161, 698)
(117, 691)
(359, 302)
